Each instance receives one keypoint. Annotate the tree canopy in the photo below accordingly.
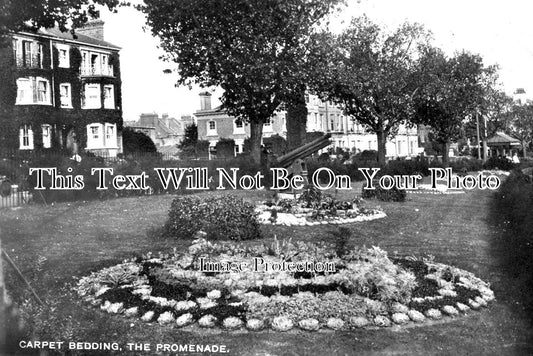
(369, 74)
(521, 125)
(252, 49)
(450, 91)
(17, 15)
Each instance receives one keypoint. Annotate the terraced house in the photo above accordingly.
(61, 92)
(215, 124)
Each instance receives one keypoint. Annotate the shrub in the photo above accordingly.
(512, 210)
(223, 217)
(393, 194)
(133, 141)
(501, 163)
(225, 148)
(466, 165)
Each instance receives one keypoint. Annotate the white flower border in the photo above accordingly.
(400, 314)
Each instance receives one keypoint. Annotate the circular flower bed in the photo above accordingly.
(283, 286)
(313, 208)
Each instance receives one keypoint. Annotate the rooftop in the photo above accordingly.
(77, 37)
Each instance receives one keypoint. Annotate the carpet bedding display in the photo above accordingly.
(283, 286)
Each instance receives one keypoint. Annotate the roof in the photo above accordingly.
(67, 36)
(163, 130)
(501, 138)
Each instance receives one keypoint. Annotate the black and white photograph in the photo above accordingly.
(266, 177)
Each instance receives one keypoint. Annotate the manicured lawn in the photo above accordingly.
(56, 244)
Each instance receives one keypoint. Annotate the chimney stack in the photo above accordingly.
(93, 28)
(165, 119)
(205, 101)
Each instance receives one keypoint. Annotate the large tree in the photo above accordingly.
(491, 116)
(252, 49)
(522, 124)
(368, 73)
(450, 91)
(16, 15)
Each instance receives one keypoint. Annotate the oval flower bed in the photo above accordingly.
(283, 286)
(313, 208)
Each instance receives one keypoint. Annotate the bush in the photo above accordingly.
(512, 210)
(466, 165)
(133, 141)
(503, 164)
(225, 148)
(379, 193)
(223, 217)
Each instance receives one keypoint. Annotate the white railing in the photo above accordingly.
(97, 70)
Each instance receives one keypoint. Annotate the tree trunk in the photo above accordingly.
(382, 147)
(256, 133)
(524, 149)
(485, 150)
(446, 154)
(296, 120)
(3, 320)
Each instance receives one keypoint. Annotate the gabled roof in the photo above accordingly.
(67, 36)
(501, 138)
(164, 131)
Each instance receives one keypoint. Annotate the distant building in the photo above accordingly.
(165, 131)
(215, 123)
(520, 97)
(61, 92)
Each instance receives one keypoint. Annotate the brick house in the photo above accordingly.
(215, 123)
(165, 131)
(61, 92)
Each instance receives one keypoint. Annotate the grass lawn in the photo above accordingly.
(54, 245)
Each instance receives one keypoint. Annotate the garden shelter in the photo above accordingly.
(501, 144)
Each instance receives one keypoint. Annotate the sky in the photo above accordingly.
(500, 31)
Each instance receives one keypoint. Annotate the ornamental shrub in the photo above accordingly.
(501, 163)
(393, 194)
(224, 217)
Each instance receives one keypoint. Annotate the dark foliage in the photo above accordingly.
(225, 148)
(219, 217)
(382, 194)
(501, 163)
(512, 213)
(133, 141)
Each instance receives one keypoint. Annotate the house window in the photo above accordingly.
(66, 98)
(109, 97)
(211, 127)
(95, 64)
(43, 93)
(110, 135)
(40, 55)
(64, 61)
(24, 92)
(94, 136)
(267, 126)
(16, 49)
(47, 135)
(26, 138)
(239, 127)
(33, 90)
(26, 53)
(92, 98)
(105, 65)
(84, 62)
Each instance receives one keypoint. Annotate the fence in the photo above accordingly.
(16, 186)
